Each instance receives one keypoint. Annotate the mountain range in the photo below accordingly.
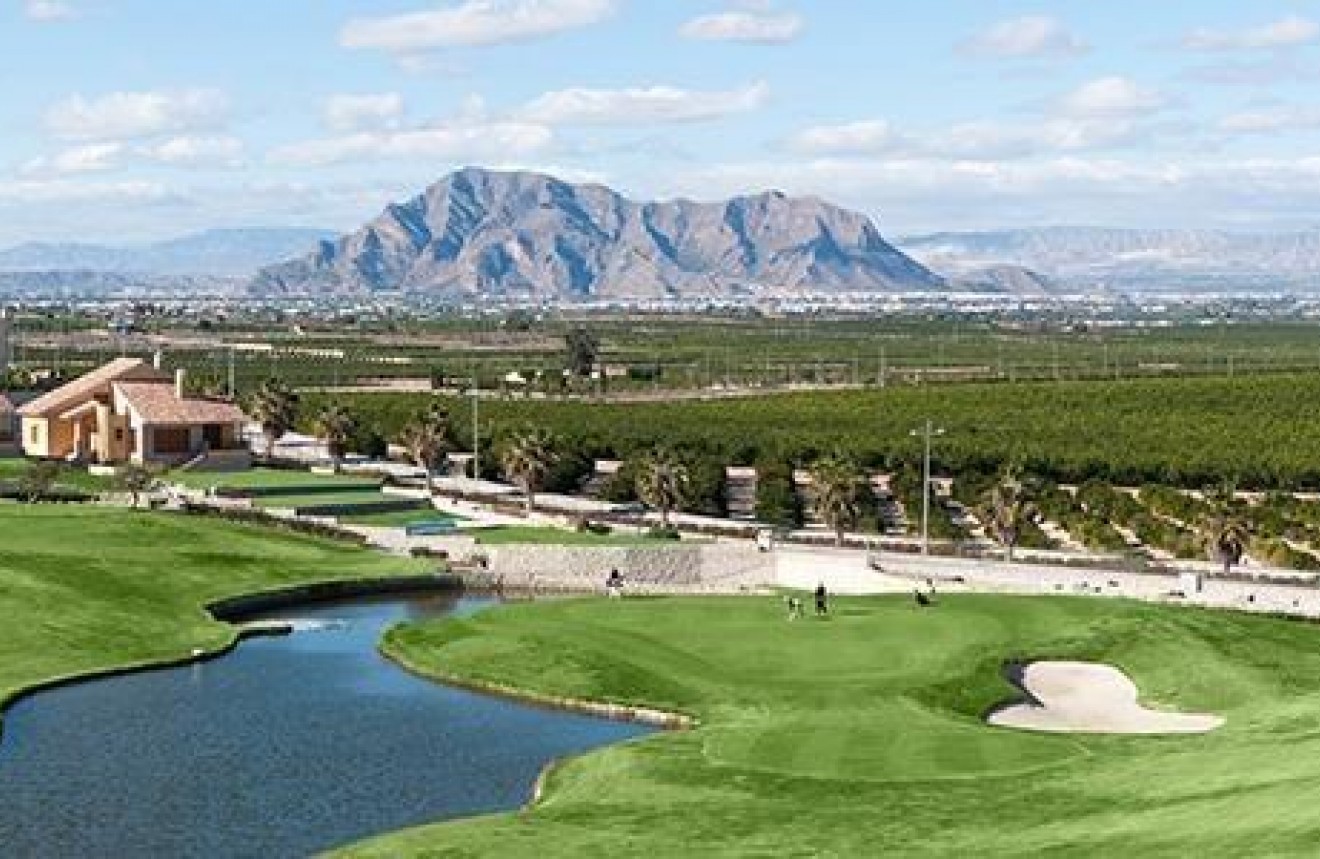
(530, 236)
(1134, 261)
(211, 254)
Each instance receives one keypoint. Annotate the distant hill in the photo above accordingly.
(527, 235)
(215, 253)
(1134, 260)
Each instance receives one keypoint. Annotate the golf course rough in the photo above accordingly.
(864, 735)
(87, 590)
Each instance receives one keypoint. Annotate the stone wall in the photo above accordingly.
(696, 567)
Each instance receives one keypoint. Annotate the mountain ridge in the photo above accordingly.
(522, 234)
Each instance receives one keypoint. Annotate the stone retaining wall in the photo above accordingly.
(712, 567)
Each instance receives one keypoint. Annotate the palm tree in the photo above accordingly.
(275, 407)
(663, 482)
(527, 459)
(336, 425)
(427, 438)
(837, 483)
(1223, 529)
(1008, 508)
(135, 480)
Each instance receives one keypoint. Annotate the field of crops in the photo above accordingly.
(685, 354)
(1260, 432)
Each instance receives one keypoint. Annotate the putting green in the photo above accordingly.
(863, 734)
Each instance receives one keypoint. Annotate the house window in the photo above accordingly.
(119, 434)
(35, 435)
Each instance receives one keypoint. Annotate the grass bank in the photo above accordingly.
(863, 736)
(85, 590)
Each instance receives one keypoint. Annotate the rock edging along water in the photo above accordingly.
(653, 716)
(229, 610)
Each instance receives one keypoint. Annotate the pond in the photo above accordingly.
(285, 747)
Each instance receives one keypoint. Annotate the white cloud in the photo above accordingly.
(183, 152)
(1272, 120)
(64, 191)
(762, 28)
(1291, 32)
(48, 10)
(1110, 97)
(643, 105)
(474, 22)
(453, 141)
(1032, 36)
(362, 112)
(128, 115)
(980, 140)
(89, 158)
(196, 152)
(869, 135)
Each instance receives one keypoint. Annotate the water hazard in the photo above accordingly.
(285, 747)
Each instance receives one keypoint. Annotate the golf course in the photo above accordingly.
(863, 734)
(89, 589)
(858, 734)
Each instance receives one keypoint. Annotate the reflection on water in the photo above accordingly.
(285, 747)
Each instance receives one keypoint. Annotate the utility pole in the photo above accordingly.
(476, 432)
(231, 372)
(929, 430)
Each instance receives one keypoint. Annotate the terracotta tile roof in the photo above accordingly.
(156, 403)
(84, 387)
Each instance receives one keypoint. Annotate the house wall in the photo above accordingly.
(47, 438)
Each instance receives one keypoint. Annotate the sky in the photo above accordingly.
(132, 120)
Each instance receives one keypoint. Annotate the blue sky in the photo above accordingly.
(125, 120)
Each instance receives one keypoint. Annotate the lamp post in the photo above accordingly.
(476, 433)
(927, 431)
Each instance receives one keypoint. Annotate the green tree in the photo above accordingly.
(527, 458)
(135, 480)
(837, 485)
(427, 438)
(39, 479)
(1009, 507)
(336, 425)
(582, 351)
(664, 482)
(275, 407)
(1223, 528)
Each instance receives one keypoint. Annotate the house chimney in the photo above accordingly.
(180, 382)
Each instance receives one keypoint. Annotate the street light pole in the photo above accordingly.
(927, 431)
(476, 432)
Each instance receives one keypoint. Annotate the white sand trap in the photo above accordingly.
(1084, 697)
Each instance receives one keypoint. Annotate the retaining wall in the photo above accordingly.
(713, 567)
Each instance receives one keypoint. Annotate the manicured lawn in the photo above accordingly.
(365, 496)
(862, 735)
(511, 534)
(263, 478)
(84, 588)
(70, 477)
(401, 518)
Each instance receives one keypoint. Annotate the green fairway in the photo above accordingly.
(862, 735)
(85, 589)
(365, 497)
(270, 478)
(504, 535)
(400, 518)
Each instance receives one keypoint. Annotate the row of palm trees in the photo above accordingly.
(664, 480)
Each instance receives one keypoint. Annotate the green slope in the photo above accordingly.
(862, 735)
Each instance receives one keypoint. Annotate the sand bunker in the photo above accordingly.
(1083, 697)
